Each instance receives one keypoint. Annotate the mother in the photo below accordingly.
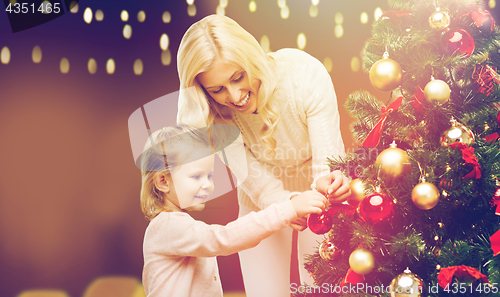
(286, 108)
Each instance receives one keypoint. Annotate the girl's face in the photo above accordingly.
(229, 85)
(192, 184)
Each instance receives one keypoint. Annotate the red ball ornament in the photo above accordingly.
(320, 223)
(458, 41)
(376, 208)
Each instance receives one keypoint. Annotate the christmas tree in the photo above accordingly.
(424, 216)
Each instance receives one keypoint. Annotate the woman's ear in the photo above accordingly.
(162, 182)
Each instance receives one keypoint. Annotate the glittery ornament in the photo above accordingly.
(328, 251)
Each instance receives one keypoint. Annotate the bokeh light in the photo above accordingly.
(252, 6)
(5, 55)
(328, 64)
(166, 57)
(285, 12)
(64, 65)
(190, 2)
(127, 31)
(87, 15)
(73, 7)
(192, 10)
(92, 66)
(378, 13)
(315, 2)
(36, 54)
(281, 3)
(46, 7)
(339, 31)
(141, 16)
(492, 3)
(164, 41)
(265, 43)
(166, 17)
(364, 18)
(355, 64)
(223, 3)
(110, 66)
(220, 10)
(301, 41)
(339, 18)
(99, 15)
(138, 67)
(124, 15)
(313, 11)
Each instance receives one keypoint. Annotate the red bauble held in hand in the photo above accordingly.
(319, 223)
(376, 208)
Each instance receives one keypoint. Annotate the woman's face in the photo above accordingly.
(229, 85)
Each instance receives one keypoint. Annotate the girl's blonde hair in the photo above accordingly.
(217, 37)
(166, 149)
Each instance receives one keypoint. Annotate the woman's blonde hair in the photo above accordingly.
(166, 149)
(217, 37)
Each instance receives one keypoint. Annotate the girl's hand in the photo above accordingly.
(334, 186)
(309, 202)
(299, 224)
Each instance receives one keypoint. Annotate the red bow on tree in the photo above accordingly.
(480, 17)
(395, 16)
(352, 278)
(373, 137)
(496, 201)
(417, 99)
(470, 158)
(484, 76)
(446, 275)
(492, 137)
(495, 243)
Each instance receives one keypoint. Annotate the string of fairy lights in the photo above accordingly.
(166, 56)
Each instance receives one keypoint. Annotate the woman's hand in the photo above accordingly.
(334, 186)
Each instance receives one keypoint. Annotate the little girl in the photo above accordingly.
(179, 251)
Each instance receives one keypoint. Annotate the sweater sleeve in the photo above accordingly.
(322, 115)
(178, 234)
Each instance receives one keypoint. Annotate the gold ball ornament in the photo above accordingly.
(439, 19)
(361, 261)
(437, 91)
(457, 133)
(407, 284)
(386, 74)
(425, 195)
(393, 161)
(357, 192)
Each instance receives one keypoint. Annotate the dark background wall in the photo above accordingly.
(69, 190)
